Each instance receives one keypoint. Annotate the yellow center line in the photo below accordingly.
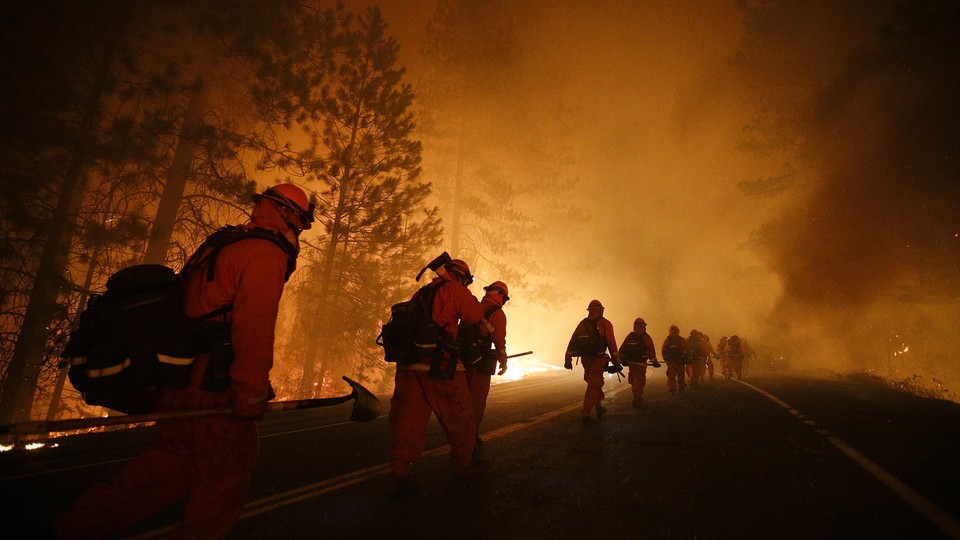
(286, 498)
(921, 504)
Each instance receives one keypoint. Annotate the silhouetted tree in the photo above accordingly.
(494, 145)
(372, 207)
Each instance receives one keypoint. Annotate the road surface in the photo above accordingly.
(776, 456)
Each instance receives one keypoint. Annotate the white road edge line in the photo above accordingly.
(921, 504)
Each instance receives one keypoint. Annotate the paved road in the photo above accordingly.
(777, 456)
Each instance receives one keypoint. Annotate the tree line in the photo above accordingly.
(131, 130)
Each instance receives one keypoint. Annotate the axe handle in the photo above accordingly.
(40, 427)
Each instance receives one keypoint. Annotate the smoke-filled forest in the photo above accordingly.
(783, 170)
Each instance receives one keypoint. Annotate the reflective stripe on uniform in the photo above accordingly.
(174, 360)
(425, 367)
(112, 370)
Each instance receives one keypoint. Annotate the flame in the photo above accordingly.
(519, 368)
(6, 447)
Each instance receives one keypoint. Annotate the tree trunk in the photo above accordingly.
(16, 399)
(317, 323)
(457, 201)
(337, 236)
(62, 372)
(177, 177)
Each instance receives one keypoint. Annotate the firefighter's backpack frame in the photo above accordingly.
(134, 338)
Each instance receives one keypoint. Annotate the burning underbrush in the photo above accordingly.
(915, 384)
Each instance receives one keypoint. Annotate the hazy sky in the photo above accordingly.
(660, 109)
(651, 148)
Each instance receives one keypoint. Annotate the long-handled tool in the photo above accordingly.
(519, 354)
(436, 265)
(366, 407)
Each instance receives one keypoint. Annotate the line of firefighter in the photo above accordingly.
(210, 459)
(692, 358)
(686, 358)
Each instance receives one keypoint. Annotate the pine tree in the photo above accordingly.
(371, 209)
(493, 146)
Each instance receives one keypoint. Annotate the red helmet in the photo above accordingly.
(291, 197)
(674, 329)
(640, 321)
(460, 268)
(594, 304)
(499, 287)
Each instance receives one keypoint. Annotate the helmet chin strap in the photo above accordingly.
(296, 225)
(293, 229)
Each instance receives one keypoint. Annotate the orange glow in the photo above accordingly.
(520, 368)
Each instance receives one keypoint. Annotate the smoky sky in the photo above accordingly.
(785, 171)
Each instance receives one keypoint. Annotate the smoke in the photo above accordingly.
(868, 251)
(785, 171)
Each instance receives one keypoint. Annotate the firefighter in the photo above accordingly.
(421, 389)
(709, 354)
(696, 364)
(635, 351)
(210, 459)
(590, 341)
(674, 353)
(735, 354)
(481, 361)
(722, 354)
(748, 355)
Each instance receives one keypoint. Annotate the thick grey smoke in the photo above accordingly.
(782, 170)
(869, 252)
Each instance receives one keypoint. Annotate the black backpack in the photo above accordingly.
(634, 349)
(411, 333)
(476, 349)
(735, 347)
(673, 349)
(587, 340)
(694, 349)
(134, 338)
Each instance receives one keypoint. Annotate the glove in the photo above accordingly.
(251, 407)
(568, 362)
(615, 368)
(503, 365)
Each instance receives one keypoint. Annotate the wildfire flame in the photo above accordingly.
(518, 368)
(28, 446)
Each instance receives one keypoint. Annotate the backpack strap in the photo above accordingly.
(209, 250)
(490, 311)
(216, 313)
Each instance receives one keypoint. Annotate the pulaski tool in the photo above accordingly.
(366, 407)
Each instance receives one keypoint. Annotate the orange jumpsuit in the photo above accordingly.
(710, 354)
(595, 366)
(478, 379)
(748, 354)
(210, 459)
(697, 361)
(638, 366)
(734, 363)
(416, 394)
(722, 354)
(675, 366)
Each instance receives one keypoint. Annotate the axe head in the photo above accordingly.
(435, 264)
(366, 406)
